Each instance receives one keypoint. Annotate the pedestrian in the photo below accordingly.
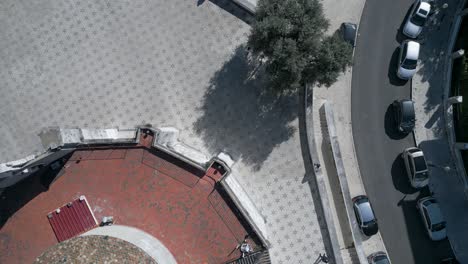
(245, 248)
(323, 258)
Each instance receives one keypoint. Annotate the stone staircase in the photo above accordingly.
(259, 257)
(350, 256)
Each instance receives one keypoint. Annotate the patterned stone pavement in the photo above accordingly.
(174, 63)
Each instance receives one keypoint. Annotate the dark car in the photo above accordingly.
(378, 258)
(365, 215)
(348, 32)
(404, 115)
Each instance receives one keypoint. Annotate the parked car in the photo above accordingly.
(378, 258)
(432, 217)
(417, 18)
(404, 116)
(416, 167)
(408, 59)
(365, 215)
(348, 33)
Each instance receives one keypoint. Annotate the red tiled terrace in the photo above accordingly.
(139, 187)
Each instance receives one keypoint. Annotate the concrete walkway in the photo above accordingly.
(338, 96)
(139, 238)
(429, 91)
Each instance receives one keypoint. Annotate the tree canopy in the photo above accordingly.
(291, 35)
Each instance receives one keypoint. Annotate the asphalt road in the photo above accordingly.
(374, 87)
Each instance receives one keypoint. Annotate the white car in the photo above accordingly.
(432, 218)
(416, 19)
(416, 167)
(408, 59)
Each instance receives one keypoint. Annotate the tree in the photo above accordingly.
(332, 58)
(290, 35)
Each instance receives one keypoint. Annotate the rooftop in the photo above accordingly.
(149, 190)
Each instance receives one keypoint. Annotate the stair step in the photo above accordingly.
(259, 257)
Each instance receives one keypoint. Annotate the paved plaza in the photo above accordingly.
(179, 63)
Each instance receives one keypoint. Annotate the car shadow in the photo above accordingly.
(400, 177)
(392, 69)
(399, 37)
(390, 127)
(424, 249)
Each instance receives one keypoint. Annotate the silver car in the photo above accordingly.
(416, 167)
(417, 19)
(408, 59)
(432, 217)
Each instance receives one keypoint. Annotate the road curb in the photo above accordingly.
(319, 178)
(335, 146)
(352, 135)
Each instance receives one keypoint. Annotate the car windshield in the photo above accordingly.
(429, 202)
(420, 163)
(418, 20)
(438, 226)
(407, 112)
(366, 212)
(381, 260)
(410, 64)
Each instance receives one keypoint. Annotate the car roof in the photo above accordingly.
(365, 210)
(413, 50)
(349, 31)
(407, 108)
(433, 211)
(425, 6)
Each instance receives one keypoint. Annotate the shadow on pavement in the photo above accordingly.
(425, 251)
(334, 182)
(399, 37)
(390, 125)
(241, 116)
(434, 41)
(400, 177)
(392, 69)
(311, 180)
(16, 196)
(234, 10)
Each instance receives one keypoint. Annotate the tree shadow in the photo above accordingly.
(241, 115)
(400, 177)
(392, 69)
(436, 122)
(390, 125)
(235, 10)
(434, 40)
(424, 250)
